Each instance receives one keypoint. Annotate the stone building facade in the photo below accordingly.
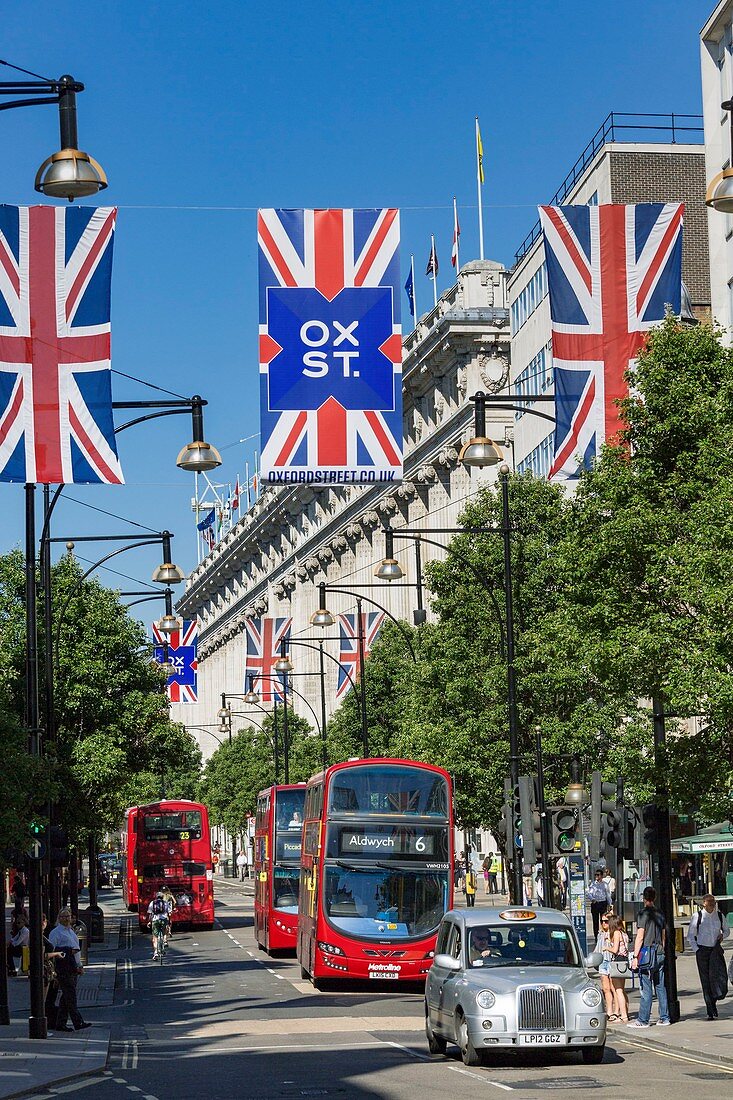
(273, 559)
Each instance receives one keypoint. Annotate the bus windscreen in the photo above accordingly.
(389, 789)
(179, 825)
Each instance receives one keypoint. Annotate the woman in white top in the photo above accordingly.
(603, 947)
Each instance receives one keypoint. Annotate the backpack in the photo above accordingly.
(699, 918)
(159, 907)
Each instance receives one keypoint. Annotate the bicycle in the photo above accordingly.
(160, 940)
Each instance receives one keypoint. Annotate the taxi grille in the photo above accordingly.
(541, 1008)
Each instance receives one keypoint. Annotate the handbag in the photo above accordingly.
(646, 958)
(620, 967)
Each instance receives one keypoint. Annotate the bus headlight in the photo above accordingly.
(330, 948)
(485, 999)
(591, 997)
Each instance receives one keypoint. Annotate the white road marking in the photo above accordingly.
(680, 1057)
(483, 1080)
(75, 1086)
(412, 1053)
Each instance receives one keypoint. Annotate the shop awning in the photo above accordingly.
(701, 843)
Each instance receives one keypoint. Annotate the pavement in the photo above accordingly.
(31, 1065)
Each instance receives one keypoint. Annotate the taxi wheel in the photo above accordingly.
(469, 1054)
(436, 1045)
(593, 1056)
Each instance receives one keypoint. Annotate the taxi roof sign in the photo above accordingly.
(518, 914)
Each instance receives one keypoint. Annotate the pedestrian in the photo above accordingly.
(20, 937)
(619, 967)
(18, 891)
(528, 881)
(599, 898)
(493, 869)
(707, 930)
(539, 883)
(458, 872)
(50, 984)
(470, 887)
(604, 969)
(486, 868)
(610, 882)
(241, 864)
(648, 960)
(68, 968)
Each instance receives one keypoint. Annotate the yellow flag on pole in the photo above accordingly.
(479, 153)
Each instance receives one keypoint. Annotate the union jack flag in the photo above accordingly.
(330, 346)
(56, 423)
(612, 271)
(349, 660)
(264, 638)
(182, 654)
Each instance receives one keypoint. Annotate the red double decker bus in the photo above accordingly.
(171, 846)
(130, 892)
(278, 833)
(376, 870)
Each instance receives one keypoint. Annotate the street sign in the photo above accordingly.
(576, 870)
(36, 849)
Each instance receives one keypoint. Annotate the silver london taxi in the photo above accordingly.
(512, 979)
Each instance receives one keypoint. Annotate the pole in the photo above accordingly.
(4, 1005)
(544, 822)
(322, 671)
(619, 868)
(479, 182)
(414, 290)
(74, 883)
(419, 615)
(37, 1021)
(435, 273)
(663, 878)
(67, 113)
(286, 746)
(456, 234)
(55, 873)
(510, 669)
(362, 678)
(274, 736)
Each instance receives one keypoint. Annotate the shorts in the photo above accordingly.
(605, 968)
(159, 924)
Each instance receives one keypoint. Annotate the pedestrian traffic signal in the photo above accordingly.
(59, 846)
(529, 820)
(650, 817)
(600, 804)
(563, 829)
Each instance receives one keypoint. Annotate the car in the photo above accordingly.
(512, 979)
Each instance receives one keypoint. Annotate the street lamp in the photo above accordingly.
(167, 572)
(169, 622)
(719, 194)
(480, 450)
(389, 569)
(198, 457)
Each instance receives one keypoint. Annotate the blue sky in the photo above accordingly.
(201, 113)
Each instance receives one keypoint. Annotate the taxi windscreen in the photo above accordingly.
(511, 944)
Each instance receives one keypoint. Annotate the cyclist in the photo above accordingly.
(159, 914)
(170, 900)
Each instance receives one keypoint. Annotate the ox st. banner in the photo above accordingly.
(330, 347)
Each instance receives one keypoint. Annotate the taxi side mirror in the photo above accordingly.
(594, 960)
(447, 962)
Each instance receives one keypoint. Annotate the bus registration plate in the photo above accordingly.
(385, 976)
(543, 1038)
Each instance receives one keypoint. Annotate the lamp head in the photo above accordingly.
(223, 714)
(223, 727)
(252, 698)
(166, 668)
(198, 457)
(389, 569)
(719, 194)
(70, 174)
(479, 451)
(576, 795)
(168, 573)
(283, 664)
(322, 617)
(168, 623)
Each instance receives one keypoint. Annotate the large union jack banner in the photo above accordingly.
(264, 639)
(330, 346)
(183, 655)
(56, 421)
(612, 271)
(350, 664)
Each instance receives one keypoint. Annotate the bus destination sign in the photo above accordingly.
(386, 843)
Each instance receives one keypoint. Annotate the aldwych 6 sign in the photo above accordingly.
(330, 347)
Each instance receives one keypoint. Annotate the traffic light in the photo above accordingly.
(59, 846)
(529, 822)
(563, 829)
(617, 829)
(600, 804)
(650, 818)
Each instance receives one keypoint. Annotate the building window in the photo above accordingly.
(536, 377)
(593, 200)
(529, 298)
(539, 460)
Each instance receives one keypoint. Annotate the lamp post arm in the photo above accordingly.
(398, 624)
(330, 656)
(295, 692)
(478, 574)
(107, 557)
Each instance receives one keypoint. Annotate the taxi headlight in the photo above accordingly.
(485, 999)
(591, 997)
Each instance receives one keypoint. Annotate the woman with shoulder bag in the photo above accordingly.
(618, 943)
(602, 946)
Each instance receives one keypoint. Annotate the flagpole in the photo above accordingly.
(435, 274)
(414, 290)
(479, 181)
(246, 478)
(455, 235)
